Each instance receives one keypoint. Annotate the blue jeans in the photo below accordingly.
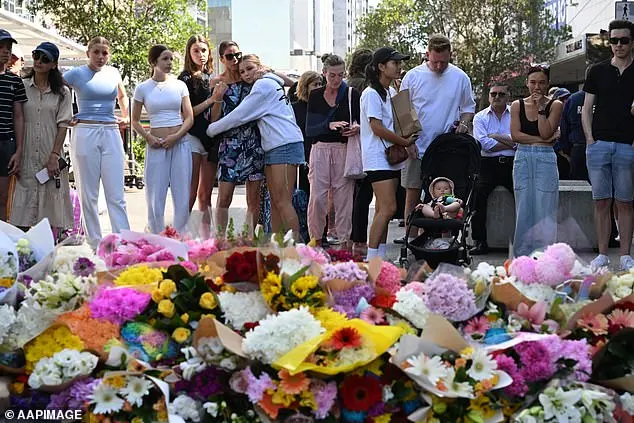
(611, 170)
(292, 154)
(536, 186)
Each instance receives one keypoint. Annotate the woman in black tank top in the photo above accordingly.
(534, 123)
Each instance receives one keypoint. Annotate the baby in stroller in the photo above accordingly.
(444, 204)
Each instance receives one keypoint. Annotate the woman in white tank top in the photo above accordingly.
(96, 144)
(168, 159)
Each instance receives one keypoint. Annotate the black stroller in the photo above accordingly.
(457, 157)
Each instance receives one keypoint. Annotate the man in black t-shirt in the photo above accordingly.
(609, 133)
(12, 96)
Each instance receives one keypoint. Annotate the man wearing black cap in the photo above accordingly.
(12, 95)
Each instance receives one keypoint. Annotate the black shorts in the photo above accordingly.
(7, 149)
(212, 150)
(382, 175)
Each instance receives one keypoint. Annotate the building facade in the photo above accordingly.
(346, 16)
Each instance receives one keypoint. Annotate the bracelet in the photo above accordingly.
(57, 154)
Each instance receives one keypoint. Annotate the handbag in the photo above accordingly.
(353, 168)
(406, 122)
(395, 153)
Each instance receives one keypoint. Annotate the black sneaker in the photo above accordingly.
(479, 248)
(399, 240)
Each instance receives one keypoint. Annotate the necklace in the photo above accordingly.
(160, 84)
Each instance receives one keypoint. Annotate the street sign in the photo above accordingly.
(624, 10)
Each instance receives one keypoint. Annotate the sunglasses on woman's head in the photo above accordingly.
(539, 66)
(622, 40)
(38, 55)
(230, 56)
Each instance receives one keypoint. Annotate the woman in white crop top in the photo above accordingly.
(168, 157)
(96, 144)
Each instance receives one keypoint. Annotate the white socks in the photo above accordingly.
(382, 251)
(372, 252)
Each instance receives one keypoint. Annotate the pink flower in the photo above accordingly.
(523, 268)
(373, 315)
(563, 254)
(416, 288)
(549, 271)
(200, 250)
(389, 278)
(595, 323)
(535, 315)
(191, 267)
(477, 325)
(310, 255)
(623, 318)
(107, 245)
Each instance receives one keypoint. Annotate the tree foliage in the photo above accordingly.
(491, 39)
(132, 26)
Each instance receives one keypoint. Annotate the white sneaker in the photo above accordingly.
(599, 261)
(627, 262)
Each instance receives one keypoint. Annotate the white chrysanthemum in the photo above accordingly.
(66, 256)
(211, 408)
(432, 368)
(560, 405)
(65, 357)
(482, 365)
(242, 307)
(135, 389)
(7, 319)
(105, 399)
(411, 306)
(457, 389)
(277, 335)
(627, 400)
(187, 408)
(535, 291)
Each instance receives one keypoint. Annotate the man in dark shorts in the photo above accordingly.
(12, 97)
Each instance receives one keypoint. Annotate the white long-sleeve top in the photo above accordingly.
(267, 103)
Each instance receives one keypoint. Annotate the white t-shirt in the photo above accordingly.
(438, 100)
(372, 147)
(162, 101)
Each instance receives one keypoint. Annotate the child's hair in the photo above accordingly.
(253, 58)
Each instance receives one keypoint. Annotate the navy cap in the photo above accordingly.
(50, 49)
(385, 54)
(561, 93)
(5, 35)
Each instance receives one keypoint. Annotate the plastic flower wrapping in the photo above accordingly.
(257, 331)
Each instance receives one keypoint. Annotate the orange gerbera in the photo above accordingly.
(268, 406)
(346, 338)
(293, 384)
(595, 323)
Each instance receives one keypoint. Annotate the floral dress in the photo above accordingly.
(241, 157)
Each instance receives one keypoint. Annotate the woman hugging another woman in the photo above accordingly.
(281, 138)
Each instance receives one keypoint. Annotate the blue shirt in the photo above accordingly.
(570, 124)
(96, 92)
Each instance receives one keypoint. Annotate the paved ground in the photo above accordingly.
(137, 213)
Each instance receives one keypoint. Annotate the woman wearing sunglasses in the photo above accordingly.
(47, 113)
(96, 139)
(534, 122)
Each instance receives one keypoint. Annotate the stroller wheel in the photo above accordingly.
(139, 184)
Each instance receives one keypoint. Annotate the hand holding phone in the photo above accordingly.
(42, 176)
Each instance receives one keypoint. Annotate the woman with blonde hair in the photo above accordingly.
(307, 82)
(96, 143)
(197, 75)
(281, 138)
(168, 153)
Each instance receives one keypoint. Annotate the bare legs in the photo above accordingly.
(281, 182)
(385, 207)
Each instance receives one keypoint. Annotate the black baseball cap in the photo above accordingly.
(50, 49)
(385, 54)
(5, 35)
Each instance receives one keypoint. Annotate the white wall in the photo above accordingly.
(340, 27)
(324, 27)
(589, 16)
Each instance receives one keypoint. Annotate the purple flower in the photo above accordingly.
(209, 382)
(450, 297)
(536, 360)
(59, 401)
(119, 305)
(258, 385)
(579, 351)
(349, 298)
(325, 395)
(75, 397)
(349, 271)
(377, 409)
(83, 267)
(518, 388)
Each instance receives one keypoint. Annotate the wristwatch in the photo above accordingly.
(542, 112)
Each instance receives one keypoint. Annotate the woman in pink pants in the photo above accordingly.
(328, 125)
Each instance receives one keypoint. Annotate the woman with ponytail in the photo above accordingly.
(168, 156)
(377, 135)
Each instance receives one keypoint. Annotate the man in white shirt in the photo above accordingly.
(441, 94)
(492, 128)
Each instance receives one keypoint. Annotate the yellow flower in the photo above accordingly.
(116, 381)
(48, 343)
(383, 418)
(407, 329)
(298, 291)
(307, 399)
(17, 388)
(181, 335)
(185, 318)
(228, 288)
(467, 352)
(156, 295)
(167, 287)
(318, 297)
(374, 367)
(208, 301)
(306, 282)
(271, 285)
(6, 282)
(282, 398)
(166, 308)
(208, 316)
(137, 420)
(139, 275)
(481, 405)
(330, 319)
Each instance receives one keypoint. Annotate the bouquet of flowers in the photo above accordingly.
(62, 367)
(286, 291)
(138, 275)
(78, 260)
(613, 365)
(26, 256)
(410, 304)
(53, 340)
(118, 305)
(94, 333)
(283, 397)
(74, 397)
(573, 402)
(621, 286)
(278, 334)
(353, 344)
(351, 299)
(129, 397)
(128, 248)
(597, 329)
(241, 308)
(61, 292)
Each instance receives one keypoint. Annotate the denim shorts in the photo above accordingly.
(7, 150)
(292, 153)
(611, 170)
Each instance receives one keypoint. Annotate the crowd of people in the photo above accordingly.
(242, 125)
